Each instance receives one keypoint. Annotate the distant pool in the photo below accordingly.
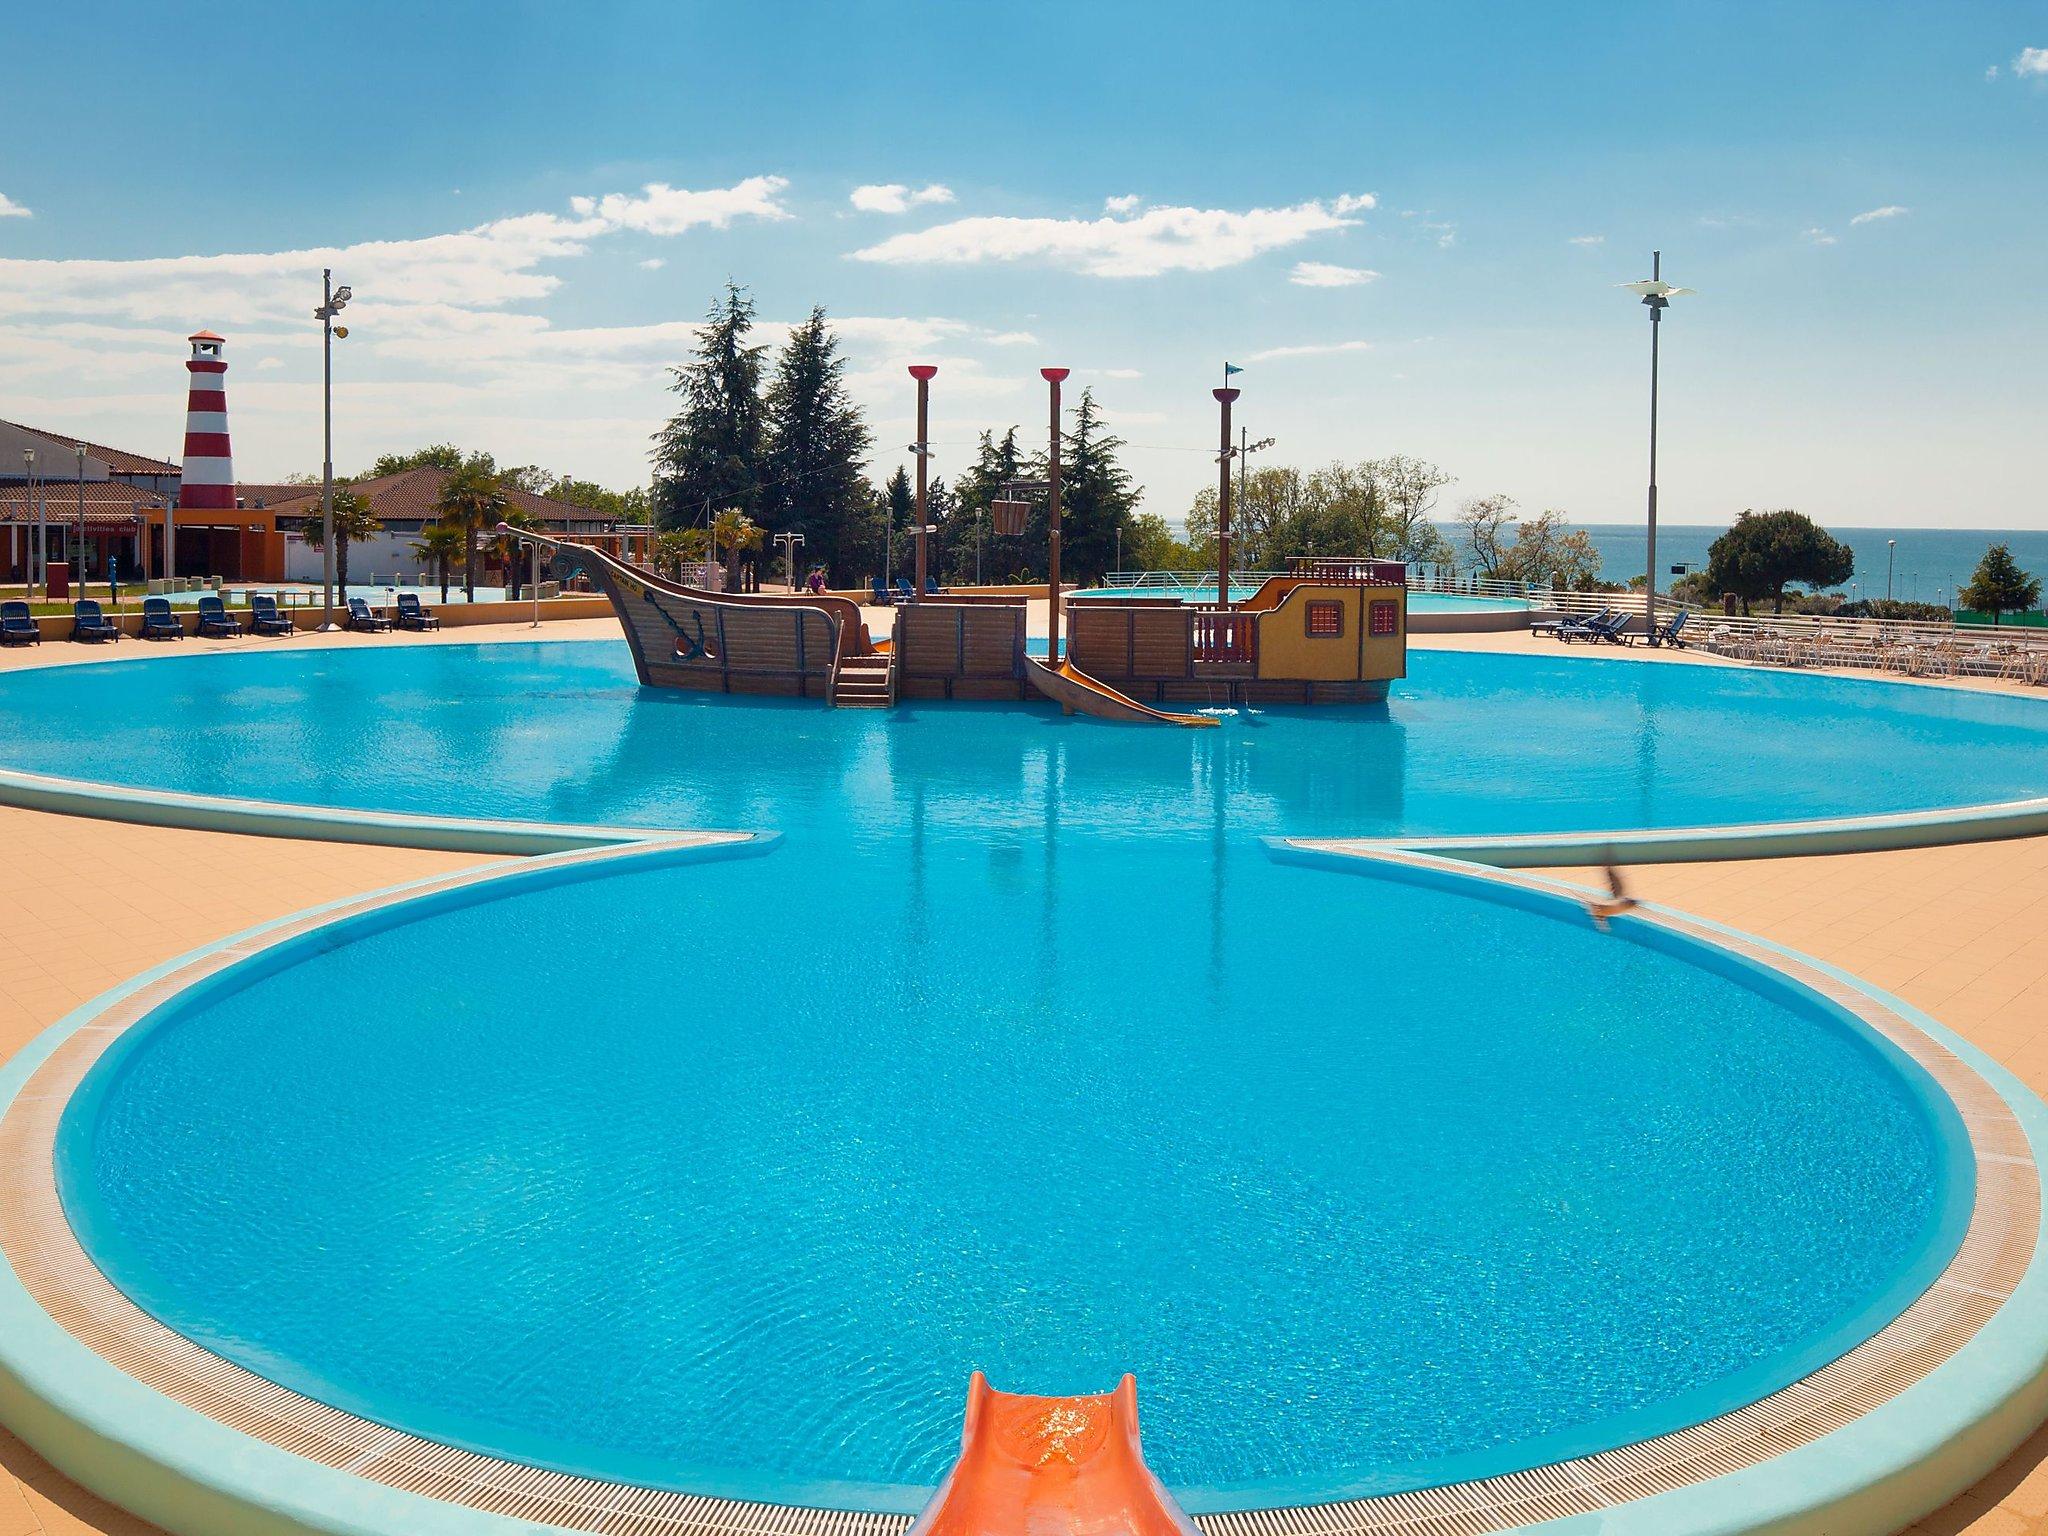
(1468, 743)
(1418, 602)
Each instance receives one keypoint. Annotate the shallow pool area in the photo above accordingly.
(721, 1177)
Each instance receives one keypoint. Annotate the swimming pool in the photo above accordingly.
(1468, 743)
(1418, 602)
(722, 1177)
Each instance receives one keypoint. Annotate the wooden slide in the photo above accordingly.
(1071, 688)
(1051, 1466)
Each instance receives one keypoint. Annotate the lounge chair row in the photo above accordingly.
(1906, 653)
(90, 624)
(883, 596)
(1612, 626)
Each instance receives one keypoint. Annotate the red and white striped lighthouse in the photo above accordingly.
(209, 478)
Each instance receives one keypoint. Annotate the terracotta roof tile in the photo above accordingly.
(119, 460)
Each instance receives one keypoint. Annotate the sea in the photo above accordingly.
(1926, 564)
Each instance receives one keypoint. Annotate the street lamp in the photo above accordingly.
(35, 550)
(79, 574)
(922, 372)
(791, 543)
(332, 301)
(1656, 295)
(1891, 550)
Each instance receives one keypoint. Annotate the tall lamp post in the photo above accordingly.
(1224, 397)
(1656, 295)
(79, 574)
(35, 550)
(791, 543)
(1053, 378)
(922, 372)
(332, 301)
(1891, 551)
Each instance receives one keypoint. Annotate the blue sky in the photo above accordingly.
(1405, 221)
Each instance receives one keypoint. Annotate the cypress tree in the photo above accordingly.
(816, 450)
(708, 457)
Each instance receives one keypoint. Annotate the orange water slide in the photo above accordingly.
(1051, 1466)
(1071, 688)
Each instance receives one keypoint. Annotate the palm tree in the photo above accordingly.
(353, 522)
(675, 549)
(735, 533)
(507, 549)
(471, 499)
(439, 544)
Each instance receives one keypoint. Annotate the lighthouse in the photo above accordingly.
(209, 479)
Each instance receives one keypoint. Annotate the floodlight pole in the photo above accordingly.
(327, 452)
(1053, 376)
(80, 572)
(1224, 397)
(922, 372)
(1891, 550)
(28, 575)
(1656, 303)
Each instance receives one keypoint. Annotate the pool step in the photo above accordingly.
(863, 683)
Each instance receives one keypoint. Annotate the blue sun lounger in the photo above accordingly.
(264, 618)
(158, 622)
(214, 619)
(17, 625)
(412, 615)
(89, 622)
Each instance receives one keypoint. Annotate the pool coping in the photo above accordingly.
(1891, 1429)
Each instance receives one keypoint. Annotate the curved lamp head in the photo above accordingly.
(923, 371)
(1053, 375)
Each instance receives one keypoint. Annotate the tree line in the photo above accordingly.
(760, 446)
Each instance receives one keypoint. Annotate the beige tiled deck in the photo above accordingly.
(1961, 932)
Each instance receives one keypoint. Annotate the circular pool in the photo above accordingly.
(722, 1177)
(1467, 744)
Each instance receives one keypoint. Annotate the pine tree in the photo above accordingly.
(816, 449)
(899, 510)
(995, 465)
(1096, 496)
(1999, 586)
(708, 457)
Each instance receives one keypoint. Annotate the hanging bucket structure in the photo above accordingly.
(1008, 517)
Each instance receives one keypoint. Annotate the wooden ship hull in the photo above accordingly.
(1333, 633)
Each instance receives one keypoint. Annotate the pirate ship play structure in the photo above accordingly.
(1331, 631)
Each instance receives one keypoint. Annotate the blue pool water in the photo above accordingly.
(559, 731)
(723, 1176)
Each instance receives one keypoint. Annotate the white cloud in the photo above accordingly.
(895, 197)
(652, 264)
(1128, 203)
(10, 209)
(430, 281)
(1321, 274)
(2031, 61)
(1815, 235)
(1889, 211)
(1012, 339)
(1587, 240)
(1356, 202)
(1116, 373)
(1143, 244)
(1312, 349)
(266, 363)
